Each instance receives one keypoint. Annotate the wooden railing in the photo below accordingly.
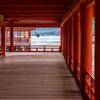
(78, 72)
(0, 39)
(35, 48)
(1, 53)
(16, 40)
(7, 48)
(20, 40)
(7, 39)
(89, 86)
(72, 64)
(68, 58)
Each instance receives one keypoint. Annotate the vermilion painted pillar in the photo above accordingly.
(93, 11)
(7, 36)
(76, 42)
(63, 39)
(86, 43)
(11, 38)
(67, 42)
(70, 40)
(29, 36)
(61, 42)
(24, 34)
(17, 37)
(97, 50)
(3, 39)
(20, 35)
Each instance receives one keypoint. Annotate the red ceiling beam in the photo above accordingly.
(74, 8)
(35, 13)
(90, 3)
(34, 3)
(33, 9)
(2, 23)
(34, 18)
(35, 25)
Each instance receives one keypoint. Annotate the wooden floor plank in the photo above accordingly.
(36, 76)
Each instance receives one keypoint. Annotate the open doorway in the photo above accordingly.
(45, 38)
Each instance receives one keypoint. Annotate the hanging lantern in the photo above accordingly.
(38, 35)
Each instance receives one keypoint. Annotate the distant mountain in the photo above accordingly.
(46, 32)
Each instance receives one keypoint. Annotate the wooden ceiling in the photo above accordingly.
(35, 11)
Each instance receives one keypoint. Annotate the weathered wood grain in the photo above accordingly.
(36, 76)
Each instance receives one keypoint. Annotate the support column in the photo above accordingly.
(97, 50)
(67, 42)
(6, 36)
(29, 36)
(61, 39)
(17, 37)
(93, 11)
(86, 43)
(20, 35)
(11, 38)
(24, 34)
(76, 42)
(3, 39)
(70, 40)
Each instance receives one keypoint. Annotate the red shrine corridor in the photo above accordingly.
(36, 76)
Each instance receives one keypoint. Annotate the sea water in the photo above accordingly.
(45, 40)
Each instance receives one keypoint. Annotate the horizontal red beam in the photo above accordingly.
(21, 9)
(35, 25)
(34, 3)
(33, 13)
(34, 18)
(90, 3)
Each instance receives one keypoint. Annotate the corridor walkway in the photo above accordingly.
(36, 76)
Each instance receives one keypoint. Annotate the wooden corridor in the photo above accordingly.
(36, 76)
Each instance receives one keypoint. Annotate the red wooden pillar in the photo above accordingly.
(29, 36)
(67, 42)
(76, 42)
(20, 35)
(86, 43)
(7, 35)
(11, 38)
(70, 40)
(64, 40)
(17, 37)
(25, 34)
(61, 39)
(93, 11)
(3, 39)
(97, 50)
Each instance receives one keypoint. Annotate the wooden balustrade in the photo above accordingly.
(22, 40)
(1, 53)
(67, 58)
(89, 83)
(72, 64)
(89, 86)
(78, 72)
(35, 48)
